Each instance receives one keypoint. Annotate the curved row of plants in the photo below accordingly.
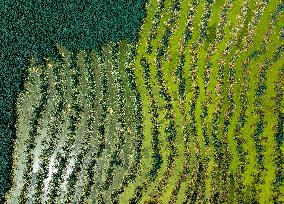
(192, 113)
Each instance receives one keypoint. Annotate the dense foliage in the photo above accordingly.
(33, 28)
(191, 113)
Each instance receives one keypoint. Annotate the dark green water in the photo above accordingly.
(33, 27)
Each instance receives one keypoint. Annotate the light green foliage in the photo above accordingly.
(192, 113)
